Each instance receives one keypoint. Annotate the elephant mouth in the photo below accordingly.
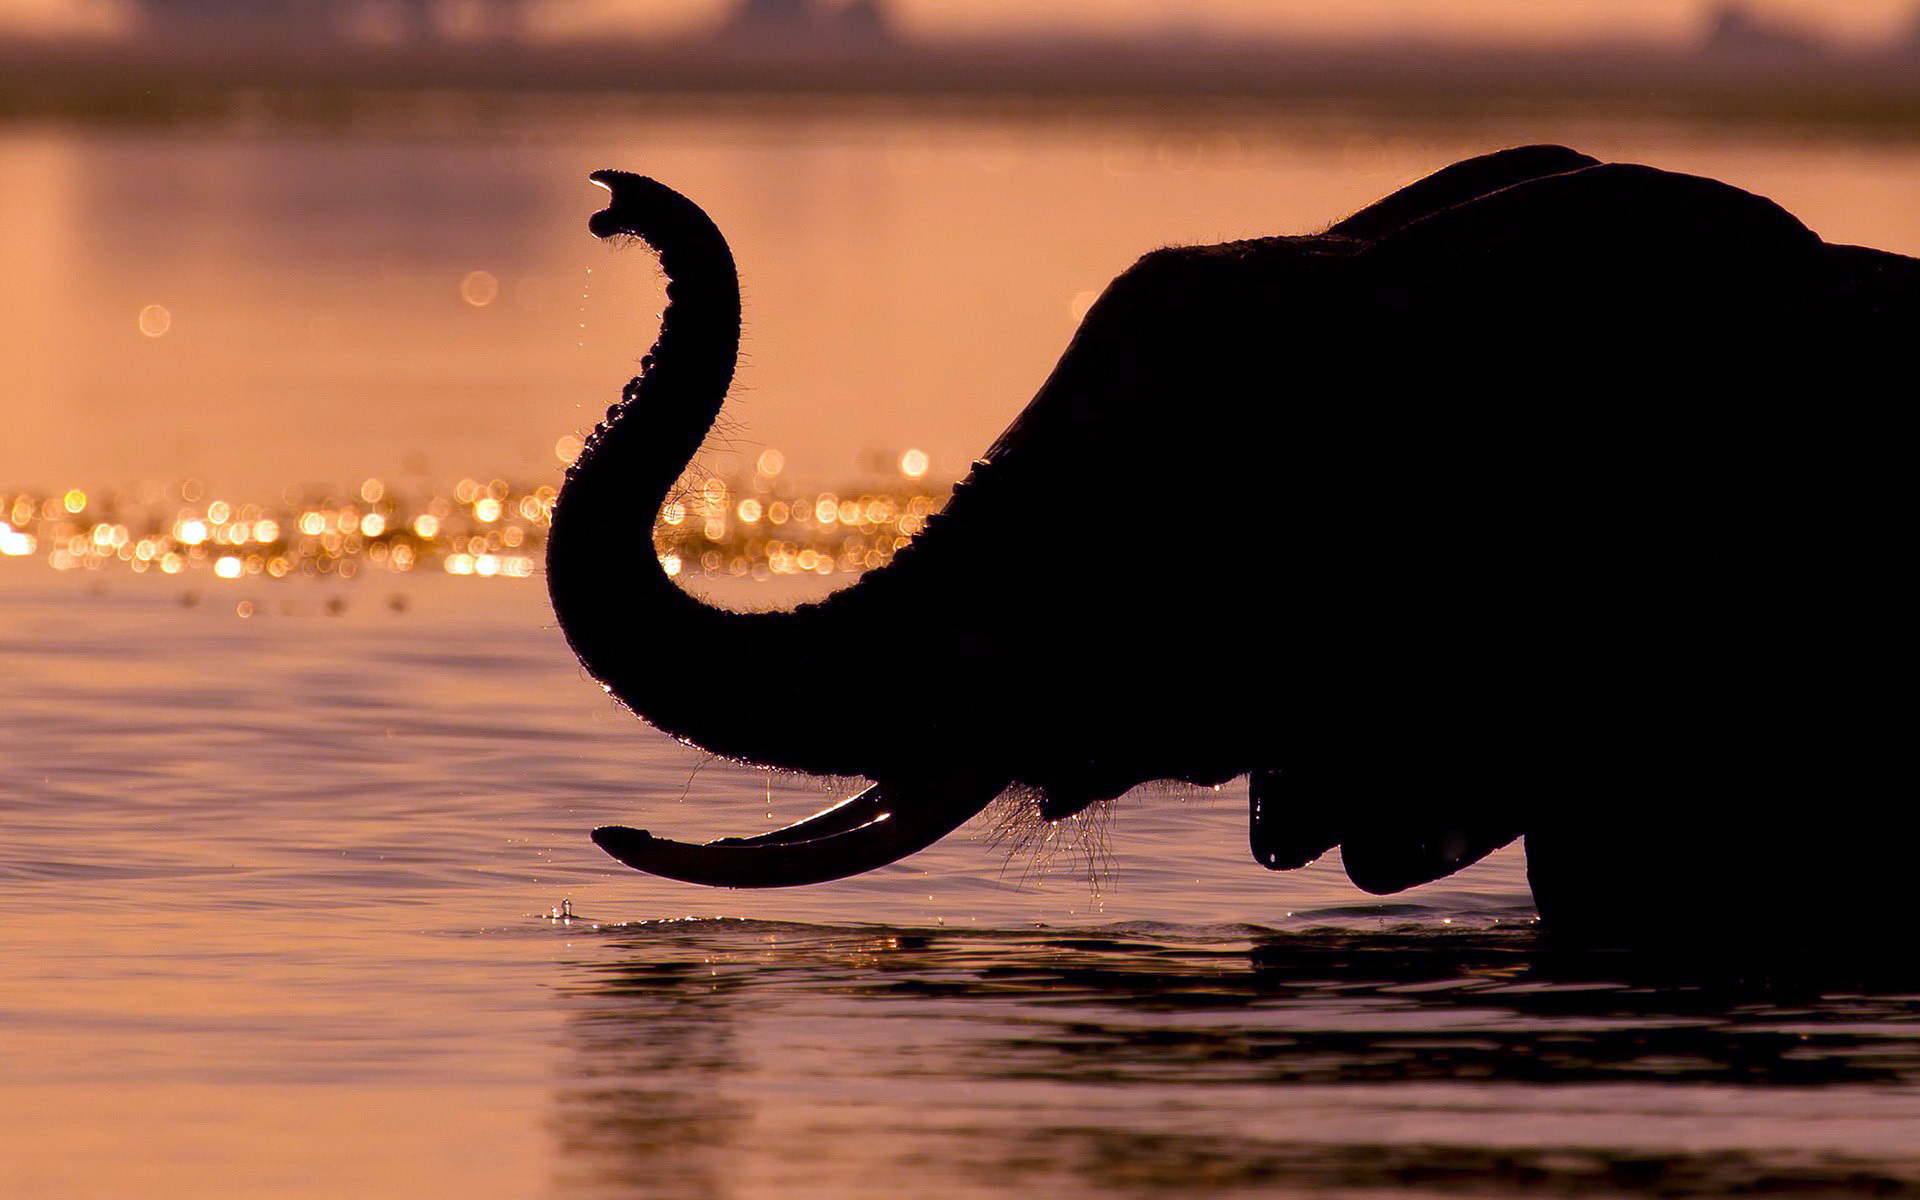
(882, 825)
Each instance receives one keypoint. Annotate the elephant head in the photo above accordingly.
(1486, 472)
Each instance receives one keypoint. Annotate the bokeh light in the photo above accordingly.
(759, 526)
(155, 320)
(479, 288)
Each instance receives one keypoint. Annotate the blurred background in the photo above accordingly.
(1491, 21)
(261, 242)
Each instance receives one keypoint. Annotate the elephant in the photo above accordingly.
(1550, 497)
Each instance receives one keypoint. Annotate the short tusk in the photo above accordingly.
(881, 825)
(1286, 825)
(1383, 863)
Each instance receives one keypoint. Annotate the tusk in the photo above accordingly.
(1382, 863)
(1283, 828)
(881, 825)
(842, 817)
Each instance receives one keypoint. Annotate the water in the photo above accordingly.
(909, 278)
(278, 889)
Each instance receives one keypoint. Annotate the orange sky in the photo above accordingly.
(1503, 19)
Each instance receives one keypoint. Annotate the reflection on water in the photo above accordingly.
(1147, 1059)
(755, 527)
(272, 891)
(642, 1100)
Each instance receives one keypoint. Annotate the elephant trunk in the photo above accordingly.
(760, 687)
(703, 674)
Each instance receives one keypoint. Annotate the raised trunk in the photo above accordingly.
(720, 679)
(768, 688)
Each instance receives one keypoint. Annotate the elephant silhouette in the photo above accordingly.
(1560, 498)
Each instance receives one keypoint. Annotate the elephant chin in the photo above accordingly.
(883, 824)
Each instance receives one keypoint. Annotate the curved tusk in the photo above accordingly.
(841, 817)
(885, 823)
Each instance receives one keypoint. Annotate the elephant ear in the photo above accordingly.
(1466, 180)
(1579, 363)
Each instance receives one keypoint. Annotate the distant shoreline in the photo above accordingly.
(1869, 94)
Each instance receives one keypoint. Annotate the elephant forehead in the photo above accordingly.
(1610, 220)
(1178, 278)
